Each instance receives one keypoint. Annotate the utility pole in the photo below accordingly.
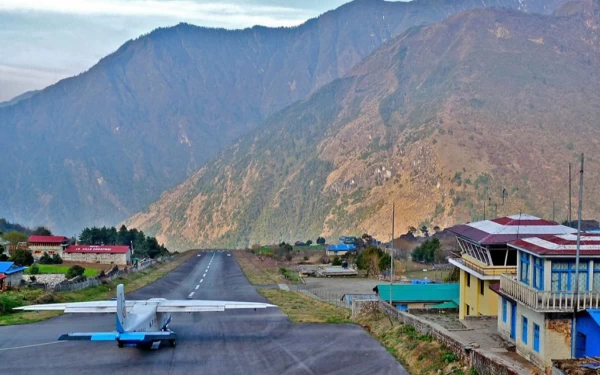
(483, 210)
(569, 194)
(552, 210)
(576, 293)
(392, 253)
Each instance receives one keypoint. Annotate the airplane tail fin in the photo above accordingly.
(121, 309)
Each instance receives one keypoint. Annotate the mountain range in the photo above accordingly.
(480, 113)
(96, 148)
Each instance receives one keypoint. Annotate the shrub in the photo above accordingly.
(56, 259)
(33, 279)
(34, 270)
(75, 271)
(45, 259)
(305, 258)
(449, 357)
(336, 261)
(23, 258)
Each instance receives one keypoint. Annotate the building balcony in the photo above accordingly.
(479, 269)
(547, 300)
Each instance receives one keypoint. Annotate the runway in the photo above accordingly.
(230, 342)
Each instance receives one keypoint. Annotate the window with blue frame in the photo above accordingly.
(563, 275)
(524, 268)
(504, 309)
(524, 332)
(538, 273)
(536, 337)
(596, 281)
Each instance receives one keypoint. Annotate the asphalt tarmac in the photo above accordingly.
(230, 342)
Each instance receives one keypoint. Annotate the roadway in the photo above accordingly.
(230, 342)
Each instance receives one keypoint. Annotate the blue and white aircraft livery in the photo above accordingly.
(140, 323)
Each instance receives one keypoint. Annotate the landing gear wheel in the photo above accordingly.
(120, 344)
(172, 343)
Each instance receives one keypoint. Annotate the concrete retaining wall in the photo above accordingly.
(484, 363)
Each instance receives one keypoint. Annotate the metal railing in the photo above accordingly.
(485, 270)
(547, 300)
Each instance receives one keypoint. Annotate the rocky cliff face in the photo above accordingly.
(487, 106)
(93, 149)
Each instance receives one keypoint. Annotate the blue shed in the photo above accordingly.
(588, 332)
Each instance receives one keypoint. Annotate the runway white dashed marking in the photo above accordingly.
(204, 275)
(190, 295)
(201, 280)
(197, 286)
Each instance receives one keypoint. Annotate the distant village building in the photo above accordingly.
(537, 300)
(10, 275)
(339, 249)
(38, 245)
(120, 255)
(485, 255)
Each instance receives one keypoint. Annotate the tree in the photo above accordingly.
(425, 231)
(41, 231)
(412, 229)
(74, 271)
(385, 262)
(321, 241)
(56, 259)
(428, 251)
(45, 259)
(15, 237)
(309, 242)
(22, 258)
(34, 269)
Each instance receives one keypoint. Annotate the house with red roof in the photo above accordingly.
(104, 254)
(485, 256)
(38, 245)
(537, 301)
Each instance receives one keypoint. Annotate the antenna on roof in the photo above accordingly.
(519, 224)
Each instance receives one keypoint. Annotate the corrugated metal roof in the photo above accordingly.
(509, 228)
(8, 268)
(561, 245)
(419, 292)
(47, 239)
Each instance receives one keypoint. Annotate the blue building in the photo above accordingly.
(587, 341)
(340, 249)
(10, 275)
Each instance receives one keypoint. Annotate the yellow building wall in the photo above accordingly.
(486, 304)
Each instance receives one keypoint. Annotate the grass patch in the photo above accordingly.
(25, 296)
(419, 354)
(258, 271)
(58, 268)
(302, 309)
(291, 275)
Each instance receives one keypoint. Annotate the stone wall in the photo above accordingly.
(483, 362)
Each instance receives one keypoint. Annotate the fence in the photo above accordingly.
(321, 294)
(68, 286)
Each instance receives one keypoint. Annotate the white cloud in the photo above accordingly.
(193, 11)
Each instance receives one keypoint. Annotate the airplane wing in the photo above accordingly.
(175, 306)
(162, 306)
(80, 307)
(124, 336)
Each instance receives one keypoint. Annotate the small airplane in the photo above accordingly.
(143, 324)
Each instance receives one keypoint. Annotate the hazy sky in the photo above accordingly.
(42, 41)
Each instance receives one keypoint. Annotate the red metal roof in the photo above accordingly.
(505, 229)
(97, 249)
(561, 245)
(2, 276)
(47, 239)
